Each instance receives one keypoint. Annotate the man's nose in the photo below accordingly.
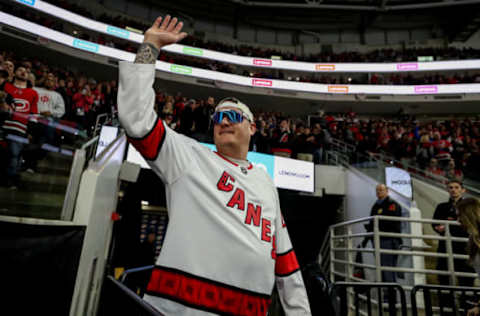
(225, 121)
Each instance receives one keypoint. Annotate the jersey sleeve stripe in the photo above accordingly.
(203, 294)
(150, 144)
(286, 263)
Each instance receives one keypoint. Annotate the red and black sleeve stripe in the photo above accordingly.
(150, 144)
(286, 264)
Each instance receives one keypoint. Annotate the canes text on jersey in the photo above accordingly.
(253, 215)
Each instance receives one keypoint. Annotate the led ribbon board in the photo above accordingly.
(251, 61)
(286, 173)
(235, 79)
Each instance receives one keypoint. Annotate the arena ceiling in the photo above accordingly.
(365, 5)
(450, 16)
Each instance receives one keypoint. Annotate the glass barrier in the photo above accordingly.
(250, 61)
(95, 48)
(39, 155)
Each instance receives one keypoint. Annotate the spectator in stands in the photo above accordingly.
(9, 66)
(51, 103)
(202, 118)
(424, 150)
(82, 103)
(187, 126)
(441, 147)
(447, 211)
(322, 141)
(434, 169)
(386, 206)
(282, 139)
(452, 172)
(52, 107)
(305, 144)
(25, 103)
(468, 213)
(260, 140)
(167, 109)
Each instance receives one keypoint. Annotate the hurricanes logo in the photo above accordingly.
(21, 105)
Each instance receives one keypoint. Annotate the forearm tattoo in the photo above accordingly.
(146, 54)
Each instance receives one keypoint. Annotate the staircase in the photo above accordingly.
(40, 194)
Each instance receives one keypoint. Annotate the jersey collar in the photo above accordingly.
(250, 166)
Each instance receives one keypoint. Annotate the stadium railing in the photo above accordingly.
(117, 299)
(368, 298)
(451, 300)
(344, 259)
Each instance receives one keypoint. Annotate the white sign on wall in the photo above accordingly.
(107, 135)
(399, 180)
(286, 173)
(293, 174)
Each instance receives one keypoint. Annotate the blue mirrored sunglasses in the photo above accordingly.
(233, 116)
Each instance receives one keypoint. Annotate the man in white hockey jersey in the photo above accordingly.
(226, 243)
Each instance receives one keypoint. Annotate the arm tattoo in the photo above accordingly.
(146, 54)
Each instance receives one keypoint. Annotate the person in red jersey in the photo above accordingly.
(24, 104)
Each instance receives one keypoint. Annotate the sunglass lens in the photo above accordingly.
(232, 116)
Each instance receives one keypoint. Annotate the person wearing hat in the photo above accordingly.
(226, 245)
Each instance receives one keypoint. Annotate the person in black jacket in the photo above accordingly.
(385, 206)
(447, 211)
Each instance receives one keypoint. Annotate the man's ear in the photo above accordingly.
(253, 128)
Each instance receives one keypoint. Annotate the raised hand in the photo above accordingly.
(164, 33)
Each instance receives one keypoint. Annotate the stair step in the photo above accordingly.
(54, 169)
(44, 178)
(30, 204)
(28, 210)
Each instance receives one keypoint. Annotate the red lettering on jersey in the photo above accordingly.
(253, 212)
(222, 184)
(266, 230)
(44, 98)
(274, 248)
(238, 199)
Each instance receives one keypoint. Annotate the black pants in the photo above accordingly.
(461, 265)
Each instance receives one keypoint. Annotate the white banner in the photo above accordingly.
(399, 180)
(286, 173)
(107, 135)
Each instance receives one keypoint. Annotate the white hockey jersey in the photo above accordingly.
(226, 241)
(50, 101)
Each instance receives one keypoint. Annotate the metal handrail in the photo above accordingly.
(346, 236)
(399, 219)
(428, 309)
(366, 287)
(127, 272)
(132, 296)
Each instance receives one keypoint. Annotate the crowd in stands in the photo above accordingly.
(378, 55)
(38, 103)
(55, 94)
(439, 149)
(386, 55)
(381, 55)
